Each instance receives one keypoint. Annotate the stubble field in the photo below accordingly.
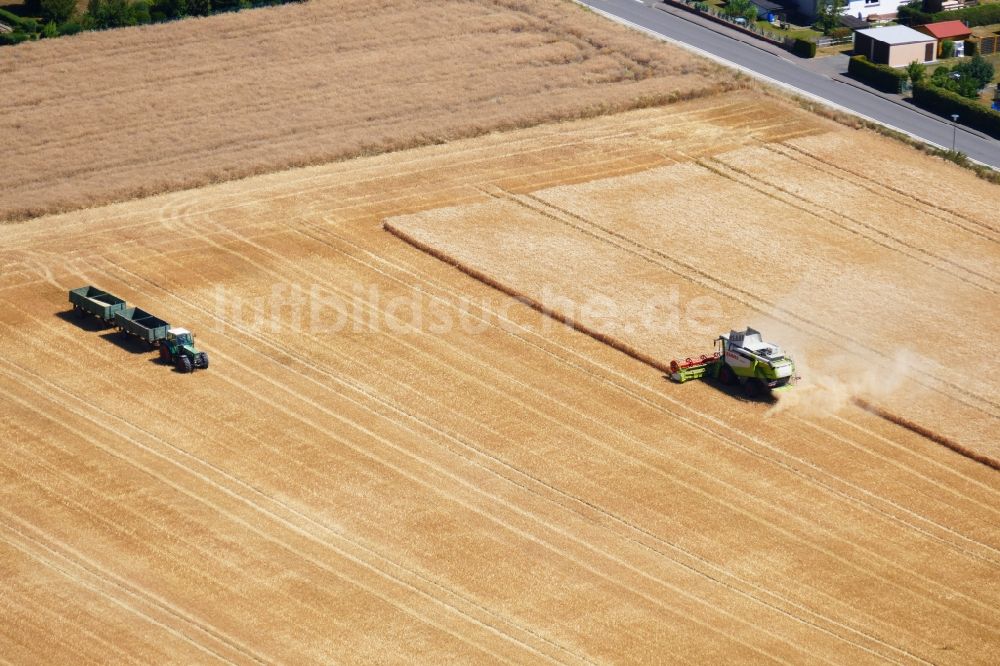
(109, 116)
(353, 482)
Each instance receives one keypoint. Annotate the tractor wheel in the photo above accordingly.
(726, 375)
(183, 363)
(753, 388)
(203, 357)
(165, 354)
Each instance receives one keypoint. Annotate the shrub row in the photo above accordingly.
(881, 77)
(105, 14)
(985, 14)
(804, 48)
(945, 103)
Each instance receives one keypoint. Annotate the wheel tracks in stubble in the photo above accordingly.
(285, 522)
(119, 529)
(369, 394)
(86, 572)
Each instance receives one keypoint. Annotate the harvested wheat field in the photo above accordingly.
(83, 122)
(391, 461)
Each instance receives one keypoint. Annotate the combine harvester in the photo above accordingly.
(743, 358)
(176, 344)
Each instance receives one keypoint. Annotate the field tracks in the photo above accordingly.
(898, 195)
(188, 303)
(857, 227)
(297, 523)
(80, 569)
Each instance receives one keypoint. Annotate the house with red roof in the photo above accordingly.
(956, 31)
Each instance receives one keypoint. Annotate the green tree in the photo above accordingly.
(947, 48)
(171, 9)
(978, 68)
(111, 13)
(59, 11)
(915, 71)
(741, 9)
(199, 7)
(829, 15)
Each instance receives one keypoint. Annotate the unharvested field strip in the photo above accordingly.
(519, 295)
(412, 276)
(880, 187)
(726, 289)
(871, 233)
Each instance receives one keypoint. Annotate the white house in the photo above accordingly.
(858, 8)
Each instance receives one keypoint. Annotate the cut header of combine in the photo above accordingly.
(176, 344)
(742, 358)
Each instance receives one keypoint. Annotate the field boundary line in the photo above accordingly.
(947, 442)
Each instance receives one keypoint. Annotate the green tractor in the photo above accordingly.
(178, 349)
(741, 358)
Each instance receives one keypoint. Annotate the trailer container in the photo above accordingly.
(91, 300)
(140, 324)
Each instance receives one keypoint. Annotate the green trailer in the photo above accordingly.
(97, 302)
(140, 324)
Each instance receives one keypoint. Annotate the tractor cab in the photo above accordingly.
(178, 337)
(178, 348)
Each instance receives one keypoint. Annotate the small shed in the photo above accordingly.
(896, 45)
(767, 10)
(956, 31)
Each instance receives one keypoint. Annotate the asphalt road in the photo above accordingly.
(793, 72)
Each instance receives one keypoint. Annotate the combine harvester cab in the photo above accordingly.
(742, 357)
(178, 348)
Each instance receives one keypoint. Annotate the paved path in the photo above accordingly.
(817, 78)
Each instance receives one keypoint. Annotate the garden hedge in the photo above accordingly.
(945, 103)
(881, 77)
(804, 48)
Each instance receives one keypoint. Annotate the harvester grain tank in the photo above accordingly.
(741, 357)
